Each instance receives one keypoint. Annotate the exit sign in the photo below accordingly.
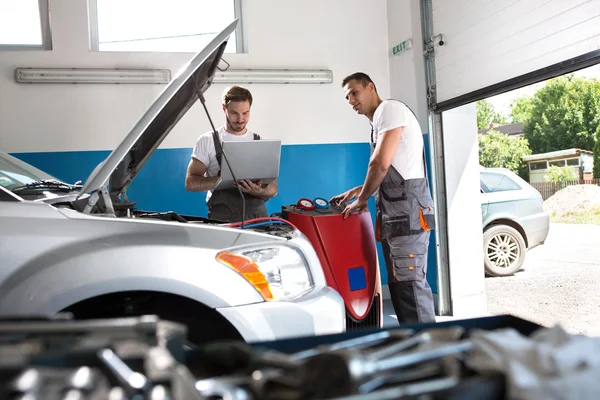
(402, 47)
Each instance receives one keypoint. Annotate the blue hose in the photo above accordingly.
(263, 224)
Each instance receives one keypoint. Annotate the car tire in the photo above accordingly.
(503, 250)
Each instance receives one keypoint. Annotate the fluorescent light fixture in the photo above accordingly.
(92, 75)
(285, 76)
(109, 75)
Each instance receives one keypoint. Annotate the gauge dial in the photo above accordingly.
(321, 203)
(305, 204)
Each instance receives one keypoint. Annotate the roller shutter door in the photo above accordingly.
(487, 42)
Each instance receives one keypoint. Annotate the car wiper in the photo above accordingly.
(46, 184)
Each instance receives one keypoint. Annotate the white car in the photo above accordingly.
(513, 219)
(86, 249)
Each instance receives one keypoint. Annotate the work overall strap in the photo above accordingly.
(219, 147)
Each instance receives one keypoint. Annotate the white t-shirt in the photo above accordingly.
(408, 159)
(204, 150)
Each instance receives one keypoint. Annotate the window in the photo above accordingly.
(559, 163)
(573, 162)
(24, 24)
(494, 182)
(535, 166)
(184, 26)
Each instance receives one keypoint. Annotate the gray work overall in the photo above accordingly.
(405, 218)
(226, 205)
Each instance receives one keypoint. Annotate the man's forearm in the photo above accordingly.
(195, 183)
(375, 175)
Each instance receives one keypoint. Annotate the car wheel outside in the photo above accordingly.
(503, 250)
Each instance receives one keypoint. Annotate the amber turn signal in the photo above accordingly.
(249, 270)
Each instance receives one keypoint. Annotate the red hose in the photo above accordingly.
(264, 219)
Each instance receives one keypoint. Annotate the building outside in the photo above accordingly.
(582, 161)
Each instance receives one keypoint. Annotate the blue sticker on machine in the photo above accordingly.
(357, 278)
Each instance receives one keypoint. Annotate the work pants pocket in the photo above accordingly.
(426, 215)
(409, 268)
(408, 256)
(398, 225)
(394, 213)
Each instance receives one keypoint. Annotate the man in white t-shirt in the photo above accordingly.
(396, 177)
(205, 164)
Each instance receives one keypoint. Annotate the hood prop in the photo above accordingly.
(95, 196)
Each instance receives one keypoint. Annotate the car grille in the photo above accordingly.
(370, 321)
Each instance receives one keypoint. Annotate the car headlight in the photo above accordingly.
(277, 272)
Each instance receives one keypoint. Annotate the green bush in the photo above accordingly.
(561, 175)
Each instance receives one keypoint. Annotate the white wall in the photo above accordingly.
(342, 35)
(465, 243)
(491, 41)
(407, 69)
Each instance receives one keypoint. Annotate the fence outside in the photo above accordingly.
(547, 189)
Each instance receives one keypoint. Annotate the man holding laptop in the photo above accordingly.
(205, 167)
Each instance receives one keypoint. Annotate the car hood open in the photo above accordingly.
(124, 163)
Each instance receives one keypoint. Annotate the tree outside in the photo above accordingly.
(563, 114)
(486, 115)
(501, 151)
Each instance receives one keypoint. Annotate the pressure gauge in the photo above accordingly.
(305, 204)
(321, 203)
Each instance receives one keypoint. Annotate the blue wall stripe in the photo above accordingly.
(314, 170)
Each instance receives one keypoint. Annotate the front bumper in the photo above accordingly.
(320, 312)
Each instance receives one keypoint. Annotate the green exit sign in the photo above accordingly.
(402, 47)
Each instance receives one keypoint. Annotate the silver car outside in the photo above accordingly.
(86, 250)
(513, 220)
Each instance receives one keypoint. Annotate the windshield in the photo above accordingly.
(16, 175)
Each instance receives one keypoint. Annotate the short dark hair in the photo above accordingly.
(236, 93)
(361, 77)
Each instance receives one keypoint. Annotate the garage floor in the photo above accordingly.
(389, 317)
(559, 283)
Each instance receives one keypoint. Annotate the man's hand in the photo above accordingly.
(341, 199)
(255, 189)
(359, 206)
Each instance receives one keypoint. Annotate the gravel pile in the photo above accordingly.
(576, 199)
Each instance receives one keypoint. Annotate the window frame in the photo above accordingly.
(557, 163)
(538, 162)
(573, 165)
(44, 7)
(240, 37)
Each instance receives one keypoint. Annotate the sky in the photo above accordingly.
(20, 22)
(502, 101)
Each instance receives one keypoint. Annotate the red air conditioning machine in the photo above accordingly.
(348, 253)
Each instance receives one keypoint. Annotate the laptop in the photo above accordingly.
(250, 159)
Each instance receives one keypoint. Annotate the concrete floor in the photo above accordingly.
(389, 316)
(558, 284)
